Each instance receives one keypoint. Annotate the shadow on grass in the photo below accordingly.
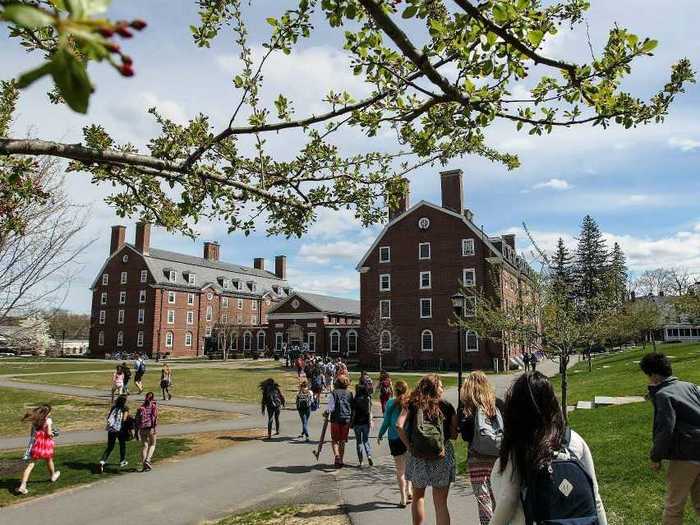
(303, 469)
(238, 439)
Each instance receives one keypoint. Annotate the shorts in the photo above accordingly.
(396, 447)
(138, 377)
(339, 432)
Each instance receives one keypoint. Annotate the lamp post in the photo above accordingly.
(458, 306)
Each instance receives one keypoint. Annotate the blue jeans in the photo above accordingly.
(304, 415)
(362, 440)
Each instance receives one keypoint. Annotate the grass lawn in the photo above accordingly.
(77, 466)
(75, 413)
(230, 384)
(619, 374)
(35, 366)
(290, 515)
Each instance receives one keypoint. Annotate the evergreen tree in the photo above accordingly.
(617, 277)
(590, 270)
(562, 271)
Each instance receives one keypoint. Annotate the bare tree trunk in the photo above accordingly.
(563, 366)
(590, 359)
(653, 339)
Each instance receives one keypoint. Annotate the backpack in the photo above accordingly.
(427, 437)
(385, 389)
(488, 434)
(303, 402)
(363, 408)
(114, 420)
(273, 398)
(144, 417)
(562, 493)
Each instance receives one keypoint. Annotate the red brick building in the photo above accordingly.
(150, 300)
(329, 326)
(413, 268)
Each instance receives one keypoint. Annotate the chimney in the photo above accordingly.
(509, 239)
(118, 238)
(452, 195)
(281, 267)
(211, 251)
(402, 202)
(142, 239)
(259, 263)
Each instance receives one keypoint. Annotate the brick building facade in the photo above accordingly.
(416, 264)
(150, 300)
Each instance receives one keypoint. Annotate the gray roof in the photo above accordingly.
(327, 303)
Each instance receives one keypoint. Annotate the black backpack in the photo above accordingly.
(562, 493)
(273, 398)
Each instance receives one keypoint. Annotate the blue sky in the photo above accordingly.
(641, 185)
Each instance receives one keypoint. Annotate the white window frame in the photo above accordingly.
(103, 316)
(352, 333)
(382, 287)
(139, 338)
(141, 316)
(142, 296)
(257, 340)
(170, 317)
(210, 313)
(472, 299)
(472, 282)
(468, 248)
(420, 280)
(120, 338)
(388, 254)
(169, 339)
(239, 304)
(381, 341)
(122, 297)
(253, 319)
(420, 256)
(254, 305)
(386, 302)
(191, 279)
(188, 339)
(279, 340)
(224, 302)
(144, 276)
(123, 278)
(335, 334)
(105, 279)
(190, 299)
(311, 340)
(172, 276)
(103, 298)
(100, 338)
(247, 338)
(422, 341)
(172, 297)
(190, 317)
(120, 316)
(429, 301)
(207, 331)
(466, 341)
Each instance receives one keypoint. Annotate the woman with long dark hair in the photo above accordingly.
(271, 400)
(534, 435)
(427, 426)
(116, 430)
(41, 445)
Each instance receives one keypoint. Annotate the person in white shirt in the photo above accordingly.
(534, 434)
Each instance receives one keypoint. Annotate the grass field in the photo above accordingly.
(50, 365)
(74, 413)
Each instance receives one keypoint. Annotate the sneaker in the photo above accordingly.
(369, 460)
(147, 466)
(55, 476)
(22, 490)
(101, 467)
(123, 464)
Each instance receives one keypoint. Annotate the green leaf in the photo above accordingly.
(92, 7)
(272, 21)
(410, 11)
(523, 4)
(649, 45)
(500, 13)
(25, 79)
(27, 16)
(535, 37)
(71, 80)
(351, 11)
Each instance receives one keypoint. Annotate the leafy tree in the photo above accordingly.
(441, 73)
(644, 318)
(616, 277)
(72, 325)
(590, 267)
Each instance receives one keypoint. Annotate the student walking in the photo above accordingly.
(317, 383)
(362, 422)
(41, 445)
(542, 459)
(398, 450)
(482, 428)
(119, 428)
(366, 381)
(117, 382)
(339, 410)
(427, 426)
(386, 390)
(272, 400)
(127, 378)
(676, 435)
(139, 371)
(146, 425)
(304, 400)
(166, 381)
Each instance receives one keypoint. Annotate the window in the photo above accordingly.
(188, 339)
(469, 306)
(279, 338)
(103, 298)
(385, 282)
(352, 342)
(125, 258)
(171, 316)
(236, 284)
(468, 277)
(122, 297)
(261, 340)
(105, 279)
(103, 314)
(239, 304)
(239, 319)
(207, 331)
(224, 318)
(385, 309)
(190, 317)
(191, 279)
(169, 339)
(224, 302)
(233, 345)
(172, 296)
(426, 308)
(123, 278)
(472, 341)
(209, 313)
(101, 338)
(253, 286)
(190, 299)
(385, 341)
(467, 247)
(142, 315)
(426, 341)
(311, 340)
(254, 305)
(144, 276)
(120, 317)
(120, 338)
(384, 254)
(425, 280)
(424, 250)
(139, 339)
(247, 340)
(335, 341)
(253, 319)
(142, 296)
(172, 276)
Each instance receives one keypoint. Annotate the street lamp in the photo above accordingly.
(458, 306)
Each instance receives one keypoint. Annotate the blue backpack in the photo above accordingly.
(561, 494)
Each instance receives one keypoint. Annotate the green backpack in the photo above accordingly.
(427, 437)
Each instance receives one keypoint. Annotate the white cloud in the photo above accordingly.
(323, 253)
(683, 144)
(338, 283)
(331, 223)
(553, 184)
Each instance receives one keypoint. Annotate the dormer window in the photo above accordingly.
(191, 279)
(236, 284)
(251, 285)
(172, 276)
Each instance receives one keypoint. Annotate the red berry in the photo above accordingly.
(106, 32)
(126, 70)
(138, 25)
(126, 59)
(124, 32)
